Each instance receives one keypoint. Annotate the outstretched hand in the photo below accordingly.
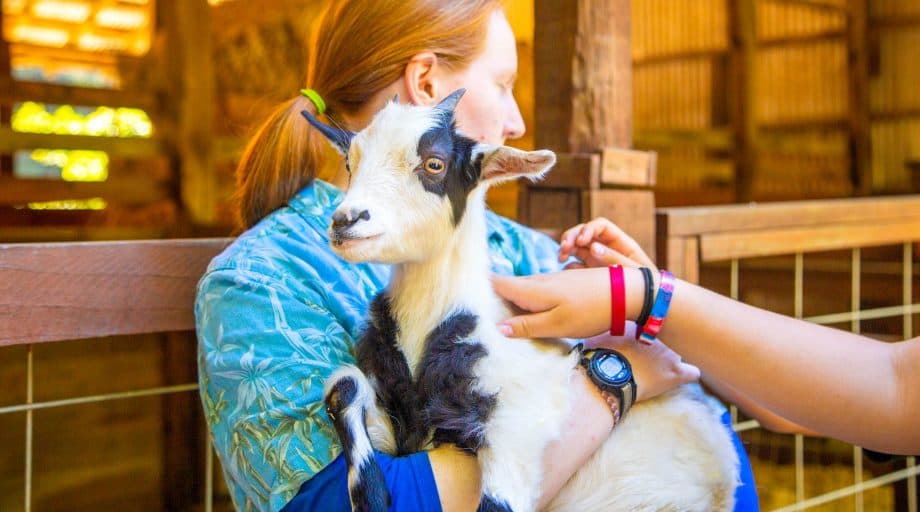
(601, 243)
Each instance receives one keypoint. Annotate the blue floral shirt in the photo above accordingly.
(276, 313)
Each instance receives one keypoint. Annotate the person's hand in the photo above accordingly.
(601, 243)
(572, 304)
(656, 368)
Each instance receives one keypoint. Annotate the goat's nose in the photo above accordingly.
(347, 219)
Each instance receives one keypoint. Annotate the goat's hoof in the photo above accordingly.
(340, 396)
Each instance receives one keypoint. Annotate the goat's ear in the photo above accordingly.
(338, 137)
(504, 163)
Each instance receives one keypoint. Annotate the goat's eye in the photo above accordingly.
(434, 166)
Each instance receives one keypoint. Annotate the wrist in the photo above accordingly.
(590, 395)
(635, 292)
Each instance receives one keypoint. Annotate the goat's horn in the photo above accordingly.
(339, 137)
(449, 103)
(396, 98)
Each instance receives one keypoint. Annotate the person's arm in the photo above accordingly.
(765, 417)
(840, 384)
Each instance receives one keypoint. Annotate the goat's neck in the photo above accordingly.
(457, 277)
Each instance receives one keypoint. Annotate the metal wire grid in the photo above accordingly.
(30, 406)
(906, 310)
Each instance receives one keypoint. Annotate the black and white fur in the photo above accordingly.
(432, 366)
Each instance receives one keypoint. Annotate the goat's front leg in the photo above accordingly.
(349, 398)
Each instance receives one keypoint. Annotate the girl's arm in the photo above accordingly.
(841, 384)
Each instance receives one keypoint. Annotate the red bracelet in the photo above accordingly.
(617, 301)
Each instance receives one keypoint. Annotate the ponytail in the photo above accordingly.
(280, 159)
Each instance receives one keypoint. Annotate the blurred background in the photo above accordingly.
(112, 127)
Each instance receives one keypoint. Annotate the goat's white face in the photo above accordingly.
(411, 176)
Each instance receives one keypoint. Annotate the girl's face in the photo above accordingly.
(488, 112)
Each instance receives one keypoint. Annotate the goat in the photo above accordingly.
(432, 367)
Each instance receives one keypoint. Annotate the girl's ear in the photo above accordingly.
(503, 163)
(421, 79)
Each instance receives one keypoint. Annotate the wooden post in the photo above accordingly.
(583, 84)
(743, 94)
(6, 94)
(191, 90)
(860, 109)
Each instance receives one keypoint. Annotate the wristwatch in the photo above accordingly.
(612, 374)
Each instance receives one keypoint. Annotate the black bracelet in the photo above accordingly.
(649, 298)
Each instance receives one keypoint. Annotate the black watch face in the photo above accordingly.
(612, 369)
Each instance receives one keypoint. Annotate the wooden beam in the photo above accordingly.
(84, 96)
(191, 76)
(751, 217)
(807, 39)
(633, 210)
(629, 167)
(781, 241)
(896, 115)
(11, 141)
(895, 22)
(583, 72)
(65, 291)
(860, 107)
(6, 106)
(666, 58)
(578, 171)
(132, 190)
(743, 93)
(818, 4)
(714, 139)
(72, 233)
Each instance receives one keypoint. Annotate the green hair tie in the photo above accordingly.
(316, 99)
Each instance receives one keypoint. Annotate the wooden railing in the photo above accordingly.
(702, 243)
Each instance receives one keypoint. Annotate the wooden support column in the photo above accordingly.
(6, 88)
(583, 84)
(185, 57)
(190, 90)
(860, 117)
(742, 95)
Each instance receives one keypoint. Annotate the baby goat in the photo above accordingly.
(433, 367)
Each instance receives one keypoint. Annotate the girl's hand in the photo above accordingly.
(572, 304)
(601, 243)
(656, 368)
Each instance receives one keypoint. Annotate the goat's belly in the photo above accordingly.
(668, 454)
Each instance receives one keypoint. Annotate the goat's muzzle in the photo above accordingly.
(342, 222)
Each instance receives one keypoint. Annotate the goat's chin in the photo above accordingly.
(366, 250)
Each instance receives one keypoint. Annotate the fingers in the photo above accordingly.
(567, 242)
(523, 292)
(598, 255)
(536, 325)
(609, 236)
(688, 373)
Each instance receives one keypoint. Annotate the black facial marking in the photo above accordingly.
(455, 411)
(378, 355)
(461, 175)
(490, 504)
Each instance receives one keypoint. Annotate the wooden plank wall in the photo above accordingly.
(804, 110)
